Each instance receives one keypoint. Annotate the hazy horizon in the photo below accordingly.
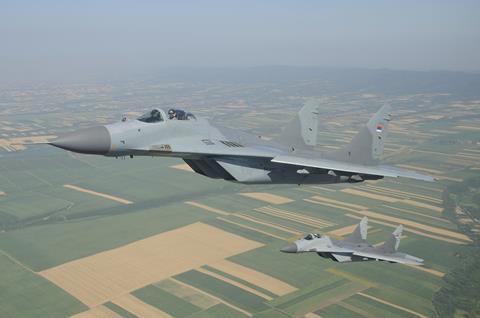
(73, 41)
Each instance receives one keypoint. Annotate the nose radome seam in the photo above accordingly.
(94, 140)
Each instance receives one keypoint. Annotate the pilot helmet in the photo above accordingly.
(171, 113)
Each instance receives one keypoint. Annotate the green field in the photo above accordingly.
(43, 224)
(171, 304)
(79, 238)
(23, 291)
(222, 290)
(119, 310)
(219, 310)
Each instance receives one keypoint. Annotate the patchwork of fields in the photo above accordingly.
(88, 236)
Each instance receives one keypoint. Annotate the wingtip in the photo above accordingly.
(424, 177)
(418, 261)
(431, 179)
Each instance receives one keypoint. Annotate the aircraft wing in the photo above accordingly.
(394, 258)
(326, 164)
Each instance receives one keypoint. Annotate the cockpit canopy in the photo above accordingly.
(310, 237)
(157, 115)
(152, 116)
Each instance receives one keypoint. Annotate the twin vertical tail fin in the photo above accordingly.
(391, 245)
(360, 232)
(301, 132)
(366, 146)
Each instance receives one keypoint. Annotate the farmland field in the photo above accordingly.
(91, 236)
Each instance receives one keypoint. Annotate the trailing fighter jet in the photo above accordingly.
(354, 248)
(223, 153)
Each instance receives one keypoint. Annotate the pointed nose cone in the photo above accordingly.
(291, 248)
(94, 140)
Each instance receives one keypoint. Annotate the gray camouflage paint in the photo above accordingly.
(354, 248)
(223, 153)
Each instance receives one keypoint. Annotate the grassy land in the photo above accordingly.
(239, 280)
(44, 246)
(225, 291)
(31, 295)
(119, 310)
(337, 311)
(376, 309)
(43, 224)
(166, 302)
(311, 301)
(219, 310)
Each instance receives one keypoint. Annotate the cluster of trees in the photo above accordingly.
(460, 295)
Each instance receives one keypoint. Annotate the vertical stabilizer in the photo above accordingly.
(360, 233)
(366, 146)
(301, 132)
(391, 245)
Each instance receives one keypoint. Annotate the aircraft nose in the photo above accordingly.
(290, 248)
(94, 140)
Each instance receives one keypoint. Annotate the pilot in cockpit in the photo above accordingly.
(177, 114)
(172, 113)
(310, 237)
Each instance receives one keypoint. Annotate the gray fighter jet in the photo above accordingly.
(223, 153)
(354, 248)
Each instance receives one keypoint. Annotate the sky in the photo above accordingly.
(76, 39)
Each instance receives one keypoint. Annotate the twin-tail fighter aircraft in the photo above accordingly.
(223, 153)
(354, 248)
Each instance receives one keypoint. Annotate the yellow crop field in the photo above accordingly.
(19, 143)
(254, 277)
(138, 307)
(369, 195)
(207, 208)
(267, 197)
(182, 166)
(249, 314)
(101, 277)
(98, 194)
(270, 224)
(392, 305)
(235, 283)
(349, 205)
(429, 170)
(422, 205)
(187, 293)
